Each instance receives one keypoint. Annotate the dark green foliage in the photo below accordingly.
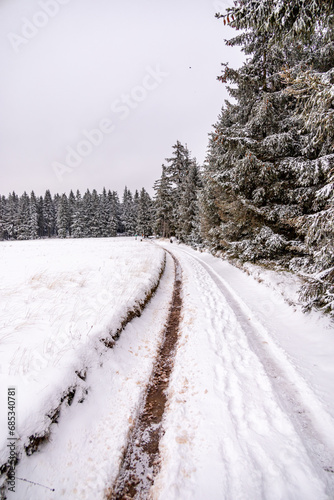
(163, 205)
(144, 214)
(268, 180)
(63, 217)
(23, 220)
(33, 217)
(128, 215)
(176, 198)
(49, 215)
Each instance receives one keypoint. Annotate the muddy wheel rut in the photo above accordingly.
(141, 459)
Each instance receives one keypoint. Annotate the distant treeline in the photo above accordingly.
(91, 215)
(173, 211)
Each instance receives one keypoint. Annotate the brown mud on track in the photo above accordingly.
(141, 458)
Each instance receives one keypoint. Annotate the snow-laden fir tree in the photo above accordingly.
(94, 224)
(86, 213)
(188, 211)
(313, 88)
(33, 216)
(49, 214)
(104, 213)
(135, 208)
(4, 218)
(56, 203)
(114, 213)
(177, 168)
(71, 210)
(248, 185)
(176, 203)
(41, 226)
(163, 206)
(3, 203)
(23, 222)
(63, 217)
(183, 176)
(270, 156)
(128, 217)
(78, 222)
(11, 216)
(144, 214)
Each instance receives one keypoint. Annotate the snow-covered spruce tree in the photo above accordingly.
(40, 212)
(3, 203)
(33, 216)
(104, 213)
(181, 171)
(86, 214)
(56, 203)
(71, 210)
(314, 89)
(49, 216)
(135, 209)
(249, 172)
(95, 216)
(144, 214)
(114, 213)
(177, 167)
(63, 217)
(319, 290)
(163, 206)
(77, 227)
(128, 217)
(23, 223)
(268, 174)
(188, 215)
(3, 218)
(11, 216)
(246, 185)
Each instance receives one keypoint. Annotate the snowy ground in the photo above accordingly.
(252, 393)
(58, 299)
(250, 413)
(286, 283)
(83, 456)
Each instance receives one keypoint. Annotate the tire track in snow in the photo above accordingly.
(141, 458)
(313, 424)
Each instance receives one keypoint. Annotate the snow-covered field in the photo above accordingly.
(250, 410)
(58, 300)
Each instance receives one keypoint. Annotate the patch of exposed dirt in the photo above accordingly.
(141, 458)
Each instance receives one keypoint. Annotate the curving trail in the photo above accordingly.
(241, 421)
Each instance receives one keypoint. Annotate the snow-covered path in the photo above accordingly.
(250, 410)
(244, 421)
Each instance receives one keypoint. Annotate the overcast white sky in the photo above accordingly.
(95, 93)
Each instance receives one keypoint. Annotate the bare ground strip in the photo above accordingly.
(141, 458)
